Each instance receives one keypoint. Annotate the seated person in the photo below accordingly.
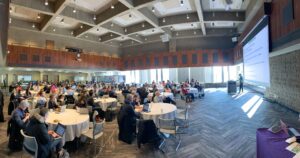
(168, 90)
(46, 140)
(136, 101)
(18, 121)
(112, 93)
(52, 102)
(158, 98)
(81, 102)
(186, 93)
(61, 100)
(127, 121)
(27, 92)
(41, 100)
(143, 93)
(70, 91)
(90, 99)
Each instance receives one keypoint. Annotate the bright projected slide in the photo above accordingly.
(256, 59)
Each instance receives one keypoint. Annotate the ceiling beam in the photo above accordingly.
(138, 27)
(35, 5)
(200, 15)
(115, 28)
(224, 16)
(178, 19)
(58, 6)
(79, 16)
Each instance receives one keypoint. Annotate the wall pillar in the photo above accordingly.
(4, 14)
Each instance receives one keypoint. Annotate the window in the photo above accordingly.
(184, 59)
(205, 58)
(156, 61)
(153, 75)
(217, 74)
(174, 60)
(194, 58)
(148, 61)
(165, 73)
(47, 59)
(215, 57)
(166, 61)
(24, 78)
(23, 57)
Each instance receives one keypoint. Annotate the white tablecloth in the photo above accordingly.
(164, 110)
(164, 94)
(76, 123)
(193, 90)
(105, 102)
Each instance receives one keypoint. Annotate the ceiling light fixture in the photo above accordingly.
(33, 25)
(130, 16)
(86, 36)
(10, 20)
(54, 30)
(38, 16)
(10, 9)
(78, 55)
(81, 26)
(99, 39)
(112, 25)
(97, 30)
(187, 16)
(62, 21)
(112, 6)
(8, 51)
(177, 33)
(94, 18)
(74, 10)
(145, 39)
(153, 30)
(111, 34)
(46, 2)
(171, 27)
(195, 32)
(164, 20)
(125, 30)
(181, 3)
(153, 9)
(143, 25)
(72, 32)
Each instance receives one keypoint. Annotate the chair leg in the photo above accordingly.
(179, 143)
(161, 145)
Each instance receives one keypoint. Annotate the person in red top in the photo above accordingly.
(186, 93)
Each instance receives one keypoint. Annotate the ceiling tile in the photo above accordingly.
(127, 19)
(150, 32)
(222, 5)
(98, 31)
(187, 26)
(90, 6)
(172, 7)
(63, 22)
(24, 14)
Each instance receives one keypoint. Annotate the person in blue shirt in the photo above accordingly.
(18, 121)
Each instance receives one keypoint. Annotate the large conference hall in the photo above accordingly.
(149, 78)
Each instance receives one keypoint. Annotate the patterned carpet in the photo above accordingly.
(221, 126)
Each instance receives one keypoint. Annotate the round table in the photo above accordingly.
(164, 110)
(104, 103)
(76, 123)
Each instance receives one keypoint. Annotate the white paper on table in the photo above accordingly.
(297, 155)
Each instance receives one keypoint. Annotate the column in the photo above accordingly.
(4, 13)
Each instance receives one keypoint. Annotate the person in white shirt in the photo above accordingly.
(158, 98)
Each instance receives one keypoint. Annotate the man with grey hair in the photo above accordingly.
(18, 121)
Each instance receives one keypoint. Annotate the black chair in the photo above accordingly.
(147, 133)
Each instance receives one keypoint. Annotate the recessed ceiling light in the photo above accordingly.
(164, 20)
(8, 51)
(153, 9)
(181, 3)
(46, 2)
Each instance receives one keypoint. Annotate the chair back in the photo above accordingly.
(70, 99)
(98, 128)
(95, 115)
(168, 124)
(30, 144)
(186, 114)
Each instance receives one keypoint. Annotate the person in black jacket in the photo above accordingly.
(127, 121)
(18, 121)
(143, 93)
(52, 102)
(1, 106)
(47, 140)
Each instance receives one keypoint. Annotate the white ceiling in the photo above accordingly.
(222, 5)
(98, 31)
(172, 7)
(127, 19)
(24, 14)
(90, 6)
(67, 23)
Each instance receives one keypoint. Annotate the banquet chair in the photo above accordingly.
(30, 145)
(169, 127)
(96, 131)
(182, 120)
